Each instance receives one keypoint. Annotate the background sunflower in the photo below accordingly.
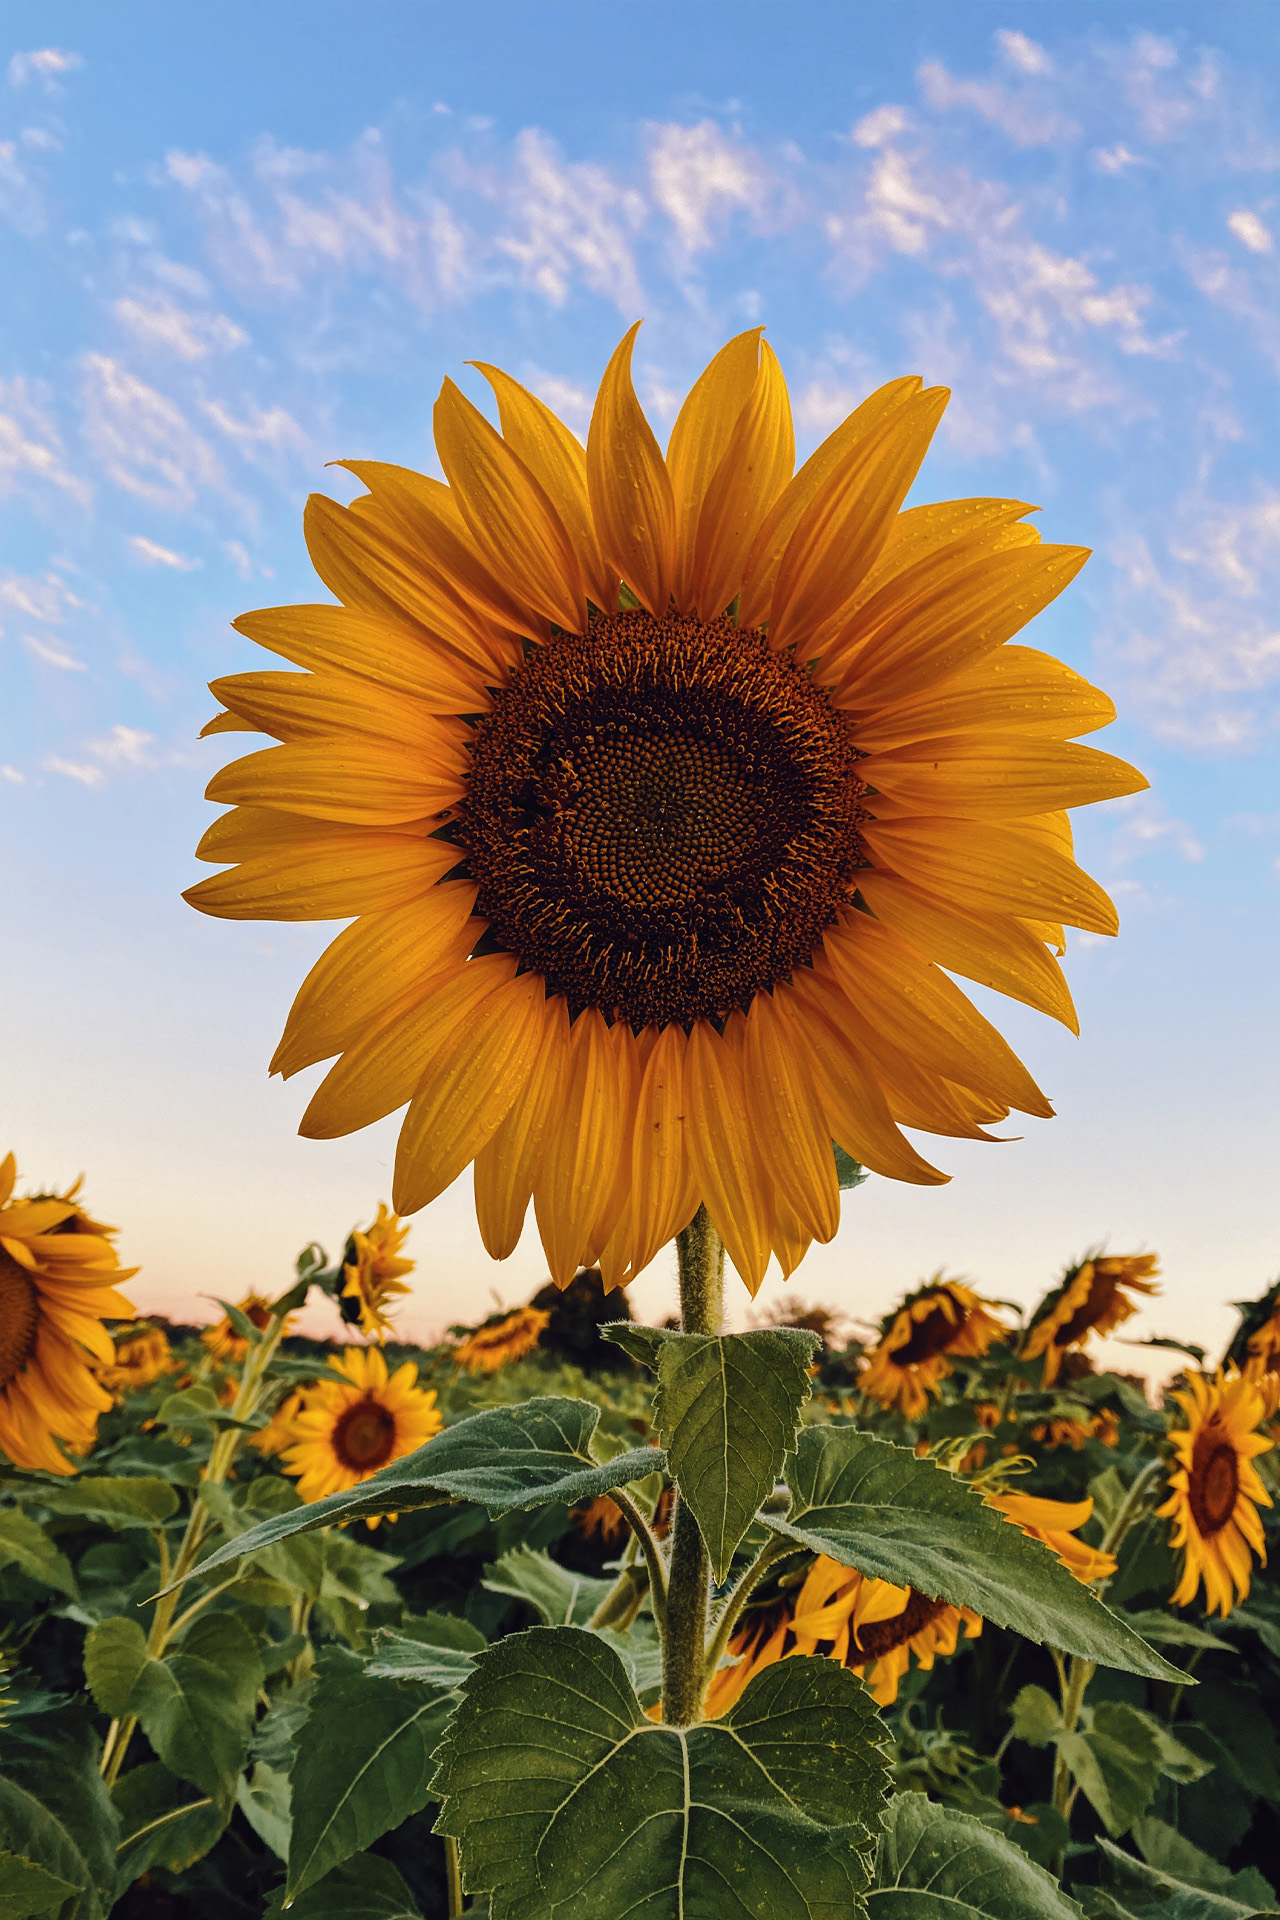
(338, 1435)
(1215, 1491)
(1093, 1298)
(943, 1318)
(373, 1273)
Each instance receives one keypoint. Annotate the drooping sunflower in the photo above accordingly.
(1093, 1298)
(373, 1273)
(1255, 1346)
(1055, 1524)
(940, 1321)
(501, 1341)
(226, 1345)
(1215, 1491)
(58, 1272)
(341, 1435)
(659, 793)
(1102, 1426)
(142, 1354)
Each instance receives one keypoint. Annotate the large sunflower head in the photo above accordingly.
(57, 1286)
(338, 1435)
(501, 1341)
(372, 1273)
(1094, 1297)
(940, 1321)
(660, 790)
(1215, 1490)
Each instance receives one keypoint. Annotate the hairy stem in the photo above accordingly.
(453, 1877)
(701, 1255)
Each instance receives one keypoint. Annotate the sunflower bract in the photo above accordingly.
(660, 792)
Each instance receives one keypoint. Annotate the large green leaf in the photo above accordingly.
(363, 1765)
(1137, 1891)
(25, 1545)
(365, 1888)
(1170, 1852)
(55, 1810)
(561, 1597)
(163, 1823)
(877, 1507)
(568, 1802)
(123, 1501)
(934, 1863)
(27, 1888)
(265, 1798)
(396, 1657)
(196, 1705)
(726, 1411)
(1116, 1759)
(507, 1459)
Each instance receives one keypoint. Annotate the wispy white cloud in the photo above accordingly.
(1026, 117)
(563, 221)
(44, 597)
(878, 128)
(122, 746)
(1144, 827)
(30, 445)
(152, 554)
(142, 439)
(82, 771)
(44, 64)
(1251, 231)
(156, 321)
(269, 427)
(12, 775)
(698, 176)
(53, 656)
(1027, 55)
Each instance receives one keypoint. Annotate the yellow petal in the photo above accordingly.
(1015, 689)
(361, 782)
(925, 1014)
(996, 869)
(385, 1067)
(507, 1168)
(8, 1178)
(631, 499)
(920, 533)
(931, 623)
(244, 833)
(226, 723)
(582, 1157)
(363, 872)
(512, 521)
(844, 526)
(370, 966)
(993, 949)
(558, 461)
(311, 706)
(373, 645)
(616, 1192)
(734, 1188)
(756, 466)
(473, 1075)
(664, 1196)
(790, 1125)
(703, 429)
(857, 1111)
(790, 1240)
(996, 776)
(761, 569)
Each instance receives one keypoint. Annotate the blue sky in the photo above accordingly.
(241, 240)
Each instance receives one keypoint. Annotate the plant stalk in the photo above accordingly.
(700, 1251)
(453, 1877)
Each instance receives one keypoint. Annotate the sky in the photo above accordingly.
(241, 240)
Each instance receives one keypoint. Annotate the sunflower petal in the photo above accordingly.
(616, 1193)
(312, 706)
(734, 1188)
(582, 1157)
(788, 1118)
(362, 872)
(997, 776)
(507, 1168)
(756, 466)
(631, 499)
(1015, 689)
(359, 782)
(664, 1196)
(703, 429)
(996, 869)
(373, 645)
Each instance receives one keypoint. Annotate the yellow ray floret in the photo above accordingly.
(665, 794)
(373, 1273)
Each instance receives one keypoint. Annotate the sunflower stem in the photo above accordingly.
(453, 1877)
(731, 1612)
(700, 1251)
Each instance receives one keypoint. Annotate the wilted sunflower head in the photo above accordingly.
(142, 1354)
(502, 1340)
(224, 1343)
(1094, 1297)
(660, 791)
(1215, 1489)
(941, 1321)
(373, 1272)
(1255, 1346)
(57, 1286)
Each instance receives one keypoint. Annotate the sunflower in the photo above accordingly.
(659, 793)
(940, 1321)
(1255, 1348)
(1055, 1524)
(502, 1340)
(372, 1272)
(142, 1354)
(1215, 1491)
(338, 1436)
(1093, 1298)
(1103, 1426)
(226, 1345)
(57, 1275)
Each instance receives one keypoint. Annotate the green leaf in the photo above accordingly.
(1037, 1716)
(55, 1810)
(241, 1323)
(364, 1888)
(196, 1705)
(557, 1787)
(849, 1172)
(395, 1657)
(935, 1863)
(726, 1411)
(643, 1344)
(264, 1798)
(1169, 1852)
(443, 1630)
(25, 1545)
(190, 1407)
(27, 1888)
(363, 1765)
(1116, 1761)
(1177, 1762)
(1172, 1631)
(561, 1598)
(162, 1822)
(507, 1459)
(878, 1508)
(1144, 1892)
(121, 1501)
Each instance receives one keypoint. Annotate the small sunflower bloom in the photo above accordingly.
(664, 794)
(373, 1273)
(502, 1341)
(58, 1275)
(1095, 1297)
(1055, 1523)
(942, 1321)
(1215, 1489)
(142, 1354)
(225, 1345)
(338, 1435)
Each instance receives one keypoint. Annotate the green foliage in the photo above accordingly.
(1136, 1890)
(934, 1863)
(726, 1411)
(878, 1508)
(364, 1888)
(132, 1500)
(27, 1888)
(163, 1823)
(27, 1546)
(561, 1598)
(55, 1810)
(564, 1797)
